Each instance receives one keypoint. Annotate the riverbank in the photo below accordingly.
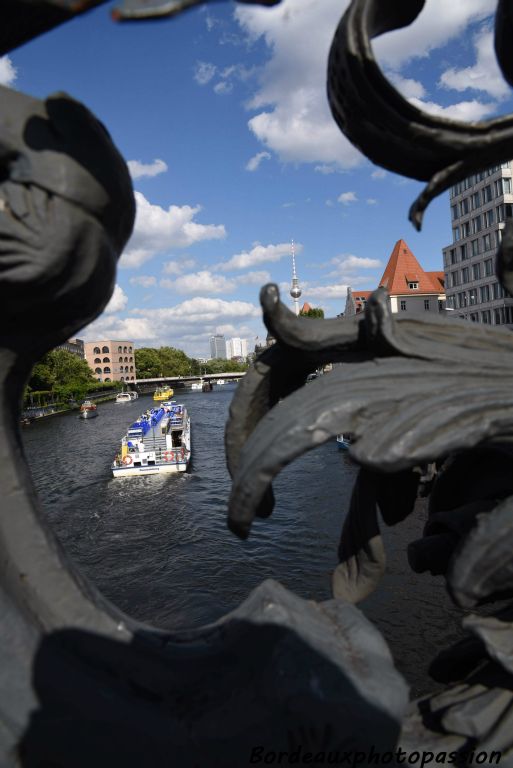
(36, 412)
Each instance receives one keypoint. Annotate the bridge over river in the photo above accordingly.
(178, 382)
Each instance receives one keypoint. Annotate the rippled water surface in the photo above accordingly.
(159, 547)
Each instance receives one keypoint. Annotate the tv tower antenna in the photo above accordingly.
(295, 290)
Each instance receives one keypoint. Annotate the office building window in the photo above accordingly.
(487, 194)
(463, 252)
(465, 275)
(475, 201)
(497, 316)
(474, 317)
(487, 242)
(476, 227)
(484, 294)
(472, 295)
(464, 206)
(488, 267)
(476, 271)
(486, 317)
(497, 291)
(489, 217)
(475, 247)
(465, 229)
(456, 234)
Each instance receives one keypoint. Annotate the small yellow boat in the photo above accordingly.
(163, 393)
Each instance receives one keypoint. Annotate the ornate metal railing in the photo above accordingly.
(81, 684)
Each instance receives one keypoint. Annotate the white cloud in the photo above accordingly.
(158, 230)
(297, 122)
(379, 173)
(293, 117)
(485, 75)
(138, 169)
(347, 197)
(437, 24)
(118, 301)
(8, 72)
(204, 282)
(145, 280)
(187, 325)
(326, 170)
(328, 291)
(254, 278)
(204, 72)
(255, 161)
(223, 87)
(177, 267)
(349, 263)
(371, 201)
(406, 86)
(466, 111)
(259, 254)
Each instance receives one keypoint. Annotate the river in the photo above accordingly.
(159, 548)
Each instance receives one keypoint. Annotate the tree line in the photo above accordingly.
(154, 363)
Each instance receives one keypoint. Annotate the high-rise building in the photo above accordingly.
(479, 206)
(410, 288)
(236, 347)
(111, 360)
(218, 346)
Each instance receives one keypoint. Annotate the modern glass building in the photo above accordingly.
(218, 346)
(479, 206)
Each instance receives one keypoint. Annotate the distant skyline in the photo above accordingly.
(222, 117)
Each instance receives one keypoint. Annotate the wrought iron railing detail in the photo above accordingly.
(82, 684)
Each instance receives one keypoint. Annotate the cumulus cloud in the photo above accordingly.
(293, 117)
(187, 325)
(259, 254)
(484, 75)
(437, 24)
(347, 197)
(204, 72)
(371, 201)
(254, 278)
(177, 267)
(158, 230)
(8, 72)
(204, 282)
(379, 173)
(328, 291)
(138, 170)
(118, 301)
(406, 86)
(255, 161)
(146, 281)
(351, 262)
(466, 111)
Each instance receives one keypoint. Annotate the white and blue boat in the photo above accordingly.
(158, 442)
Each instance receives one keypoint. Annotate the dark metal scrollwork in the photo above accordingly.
(82, 684)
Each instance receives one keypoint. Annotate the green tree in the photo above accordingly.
(313, 312)
(220, 365)
(147, 363)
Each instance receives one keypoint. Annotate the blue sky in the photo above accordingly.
(222, 116)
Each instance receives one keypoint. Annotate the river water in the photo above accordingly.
(158, 546)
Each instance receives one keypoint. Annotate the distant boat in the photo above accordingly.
(88, 410)
(133, 394)
(159, 442)
(197, 386)
(219, 382)
(344, 442)
(163, 393)
(124, 397)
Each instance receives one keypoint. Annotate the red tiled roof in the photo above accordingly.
(403, 268)
(438, 279)
(361, 295)
(306, 307)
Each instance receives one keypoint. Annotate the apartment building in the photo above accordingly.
(236, 347)
(111, 359)
(75, 346)
(479, 206)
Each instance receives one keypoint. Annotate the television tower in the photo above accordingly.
(295, 290)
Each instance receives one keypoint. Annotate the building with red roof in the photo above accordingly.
(411, 289)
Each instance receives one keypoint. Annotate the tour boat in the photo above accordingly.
(163, 393)
(197, 386)
(158, 442)
(87, 410)
(219, 382)
(133, 395)
(124, 397)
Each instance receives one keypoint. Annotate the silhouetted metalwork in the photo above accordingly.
(429, 404)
